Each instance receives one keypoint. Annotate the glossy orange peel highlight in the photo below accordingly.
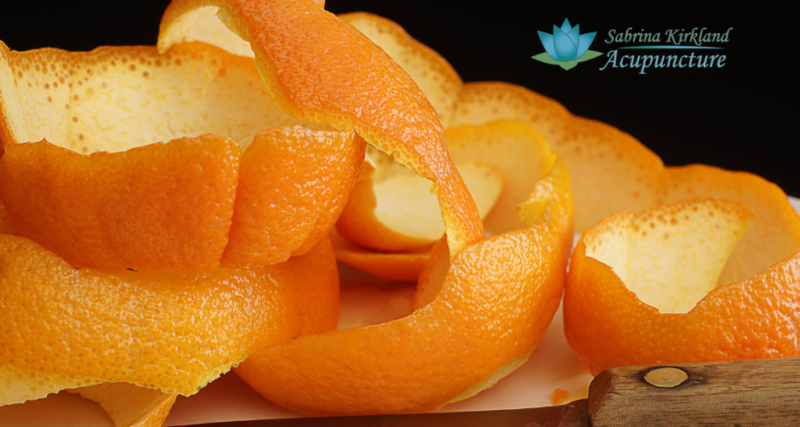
(635, 280)
(169, 331)
(319, 68)
(495, 302)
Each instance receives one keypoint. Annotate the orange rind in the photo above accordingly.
(645, 288)
(610, 171)
(6, 226)
(101, 191)
(319, 68)
(773, 235)
(494, 303)
(401, 267)
(168, 331)
(512, 150)
(128, 405)
(391, 209)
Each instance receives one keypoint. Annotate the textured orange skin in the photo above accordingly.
(608, 326)
(163, 330)
(178, 199)
(320, 68)
(292, 188)
(498, 298)
(402, 267)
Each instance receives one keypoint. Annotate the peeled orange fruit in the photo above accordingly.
(645, 288)
(491, 304)
(101, 191)
(170, 331)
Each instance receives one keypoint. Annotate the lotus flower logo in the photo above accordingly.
(566, 47)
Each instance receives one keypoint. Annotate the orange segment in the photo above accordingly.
(161, 206)
(300, 212)
(147, 206)
(169, 331)
(495, 303)
(610, 170)
(435, 76)
(402, 267)
(773, 235)
(319, 68)
(129, 405)
(622, 281)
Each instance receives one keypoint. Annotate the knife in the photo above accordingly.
(741, 393)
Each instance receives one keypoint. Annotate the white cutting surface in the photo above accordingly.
(552, 365)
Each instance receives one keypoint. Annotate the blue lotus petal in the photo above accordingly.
(574, 35)
(549, 44)
(586, 41)
(565, 27)
(565, 48)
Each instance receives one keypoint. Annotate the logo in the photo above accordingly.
(566, 47)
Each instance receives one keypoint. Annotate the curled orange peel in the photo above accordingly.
(319, 68)
(494, 302)
(402, 267)
(512, 149)
(609, 170)
(391, 209)
(128, 405)
(6, 225)
(168, 331)
(100, 190)
(647, 288)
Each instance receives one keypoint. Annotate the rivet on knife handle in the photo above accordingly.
(743, 393)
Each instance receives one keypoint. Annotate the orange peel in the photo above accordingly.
(494, 303)
(609, 170)
(102, 193)
(319, 68)
(511, 149)
(644, 288)
(391, 209)
(402, 267)
(6, 226)
(128, 405)
(169, 331)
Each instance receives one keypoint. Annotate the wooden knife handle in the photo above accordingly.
(742, 393)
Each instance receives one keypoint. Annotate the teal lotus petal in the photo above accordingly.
(565, 27)
(549, 44)
(586, 41)
(575, 35)
(565, 47)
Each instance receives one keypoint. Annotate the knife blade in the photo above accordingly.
(739, 393)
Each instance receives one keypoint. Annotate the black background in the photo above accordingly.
(739, 117)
